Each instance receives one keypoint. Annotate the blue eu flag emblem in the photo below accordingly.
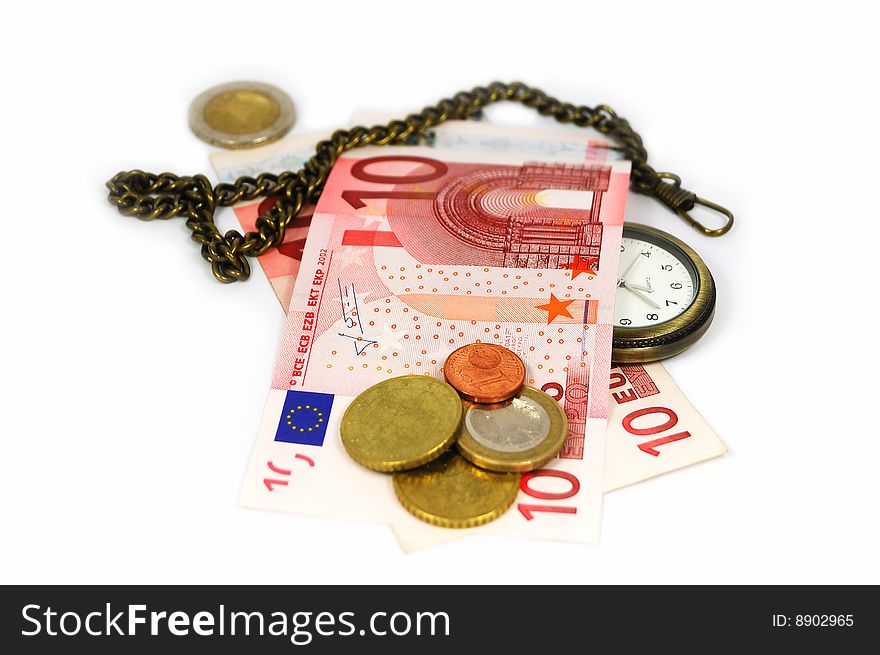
(304, 418)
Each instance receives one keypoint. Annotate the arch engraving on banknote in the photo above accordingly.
(520, 215)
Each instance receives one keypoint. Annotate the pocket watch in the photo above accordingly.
(665, 296)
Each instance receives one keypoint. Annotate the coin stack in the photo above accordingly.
(499, 427)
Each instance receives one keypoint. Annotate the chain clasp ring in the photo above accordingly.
(709, 232)
(682, 201)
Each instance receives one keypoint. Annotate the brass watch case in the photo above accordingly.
(650, 343)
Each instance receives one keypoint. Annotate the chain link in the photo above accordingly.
(148, 196)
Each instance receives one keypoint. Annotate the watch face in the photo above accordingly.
(657, 282)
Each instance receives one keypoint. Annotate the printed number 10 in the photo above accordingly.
(355, 197)
(650, 447)
(528, 510)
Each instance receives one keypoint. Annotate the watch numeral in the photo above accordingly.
(651, 317)
(625, 321)
(646, 253)
(671, 302)
(675, 285)
(622, 248)
(666, 267)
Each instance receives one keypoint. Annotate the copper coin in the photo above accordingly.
(485, 372)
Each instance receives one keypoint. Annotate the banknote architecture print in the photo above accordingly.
(520, 216)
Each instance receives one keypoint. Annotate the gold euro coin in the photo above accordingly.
(453, 493)
(401, 423)
(241, 114)
(521, 435)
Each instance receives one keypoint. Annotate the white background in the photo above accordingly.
(132, 383)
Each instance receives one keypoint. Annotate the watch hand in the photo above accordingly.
(620, 281)
(640, 295)
(640, 287)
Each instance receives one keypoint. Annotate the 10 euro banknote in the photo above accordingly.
(648, 386)
(413, 252)
(282, 263)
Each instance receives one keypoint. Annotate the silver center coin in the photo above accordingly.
(521, 425)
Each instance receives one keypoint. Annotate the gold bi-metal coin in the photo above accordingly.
(401, 423)
(241, 114)
(522, 435)
(453, 493)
